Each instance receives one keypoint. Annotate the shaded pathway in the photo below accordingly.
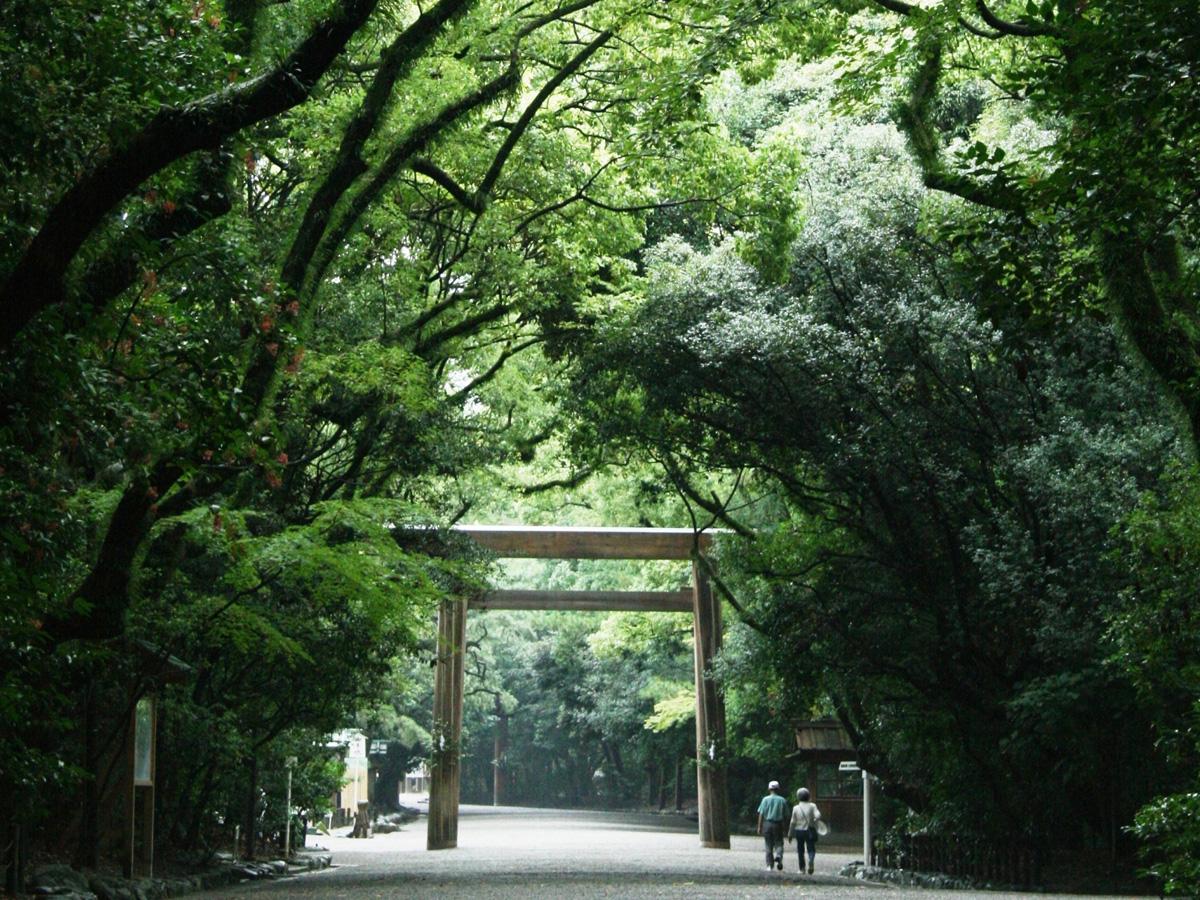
(532, 854)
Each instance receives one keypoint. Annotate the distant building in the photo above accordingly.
(821, 745)
(417, 781)
(355, 787)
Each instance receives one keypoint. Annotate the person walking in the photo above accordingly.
(772, 816)
(803, 827)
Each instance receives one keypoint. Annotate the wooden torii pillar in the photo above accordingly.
(447, 725)
(583, 543)
(712, 787)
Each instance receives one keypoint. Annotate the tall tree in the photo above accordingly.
(914, 544)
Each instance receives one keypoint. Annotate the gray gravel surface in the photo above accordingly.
(532, 854)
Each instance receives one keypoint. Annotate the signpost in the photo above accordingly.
(139, 829)
(866, 818)
(849, 765)
(287, 828)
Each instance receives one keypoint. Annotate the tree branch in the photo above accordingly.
(110, 275)
(522, 125)
(711, 571)
(478, 201)
(417, 140)
(96, 608)
(1014, 29)
(1159, 336)
(494, 369)
(440, 176)
(553, 16)
(570, 481)
(713, 507)
(36, 282)
(914, 119)
(897, 6)
(348, 164)
(465, 326)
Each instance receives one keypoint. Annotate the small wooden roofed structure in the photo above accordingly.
(553, 542)
(821, 745)
(823, 739)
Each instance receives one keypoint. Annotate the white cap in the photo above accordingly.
(773, 786)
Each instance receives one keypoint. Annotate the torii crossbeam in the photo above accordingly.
(542, 542)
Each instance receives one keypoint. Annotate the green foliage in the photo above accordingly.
(1168, 826)
(579, 693)
(674, 711)
(1154, 635)
(933, 500)
(1154, 630)
(841, 275)
(145, 54)
(289, 629)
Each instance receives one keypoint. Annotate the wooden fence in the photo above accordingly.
(1015, 863)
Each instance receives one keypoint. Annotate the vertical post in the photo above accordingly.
(447, 725)
(146, 852)
(14, 862)
(500, 751)
(287, 827)
(711, 786)
(138, 855)
(866, 818)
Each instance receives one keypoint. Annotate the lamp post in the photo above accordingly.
(866, 778)
(850, 765)
(287, 827)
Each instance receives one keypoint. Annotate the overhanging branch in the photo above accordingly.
(897, 6)
(914, 119)
(443, 178)
(1014, 29)
(36, 282)
(522, 125)
(711, 572)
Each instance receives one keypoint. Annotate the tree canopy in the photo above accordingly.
(900, 293)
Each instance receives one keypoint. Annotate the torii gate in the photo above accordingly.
(583, 543)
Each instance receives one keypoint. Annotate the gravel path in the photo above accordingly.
(532, 854)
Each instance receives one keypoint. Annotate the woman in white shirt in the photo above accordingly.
(803, 828)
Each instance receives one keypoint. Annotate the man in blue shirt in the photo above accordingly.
(772, 819)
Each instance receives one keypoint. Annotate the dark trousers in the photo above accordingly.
(806, 838)
(773, 838)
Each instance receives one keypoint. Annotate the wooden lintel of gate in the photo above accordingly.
(546, 542)
(587, 601)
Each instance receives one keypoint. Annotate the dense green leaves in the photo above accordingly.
(934, 496)
(871, 282)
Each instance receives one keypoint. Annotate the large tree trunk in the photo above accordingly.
(191, 837)
(105, 590)
(1143, 280)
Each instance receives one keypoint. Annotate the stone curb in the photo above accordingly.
(65, 883)
(933, 880)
